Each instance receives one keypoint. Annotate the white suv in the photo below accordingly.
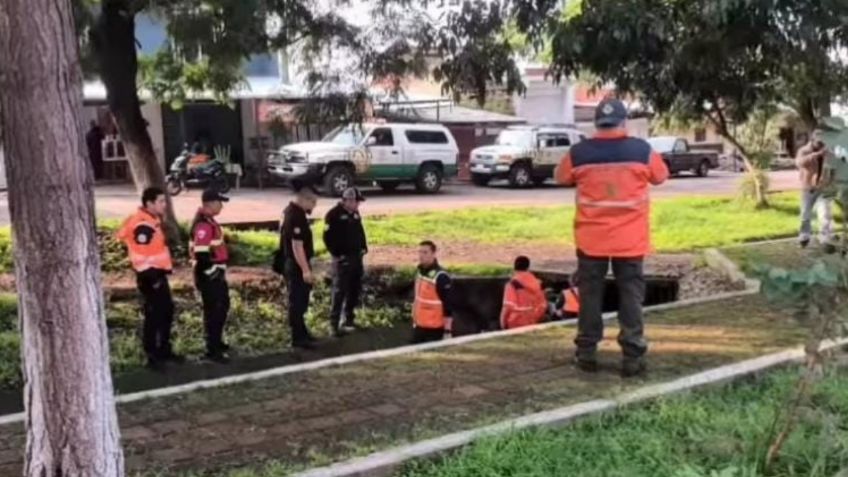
(524, 155)
(389, 154)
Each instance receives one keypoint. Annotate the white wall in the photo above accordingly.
(546, 103)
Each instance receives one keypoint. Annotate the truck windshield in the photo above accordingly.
(346, 136)
(515, 138)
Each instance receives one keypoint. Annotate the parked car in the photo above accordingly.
(524, 155)
(679, 157)
(388, 154)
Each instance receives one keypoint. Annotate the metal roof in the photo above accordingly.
(452, 114)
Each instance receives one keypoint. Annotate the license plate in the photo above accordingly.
(480, 168)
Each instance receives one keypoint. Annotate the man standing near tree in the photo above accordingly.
(810, 162)
(150, 258)
(613, 173)
(209, 255)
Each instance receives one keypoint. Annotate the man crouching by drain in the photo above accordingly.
(431, 311)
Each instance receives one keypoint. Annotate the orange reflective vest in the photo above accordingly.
(143, 235)
(571, 300)
(525, 305)
(428, 310)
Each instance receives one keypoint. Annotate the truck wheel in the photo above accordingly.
(429, 179)
(388, 186)
(481, 180)
(703, 169)
(337, 179)
(520, 176)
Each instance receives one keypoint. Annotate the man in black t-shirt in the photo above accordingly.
(345, 239)
(296, 241)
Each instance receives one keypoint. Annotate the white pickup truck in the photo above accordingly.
(524, 155)
(388, 154)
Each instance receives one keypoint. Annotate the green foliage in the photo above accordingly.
(10, 359)
(256, 322)
(8, 312)
(715, 434)
(718, 61)
(7, 258)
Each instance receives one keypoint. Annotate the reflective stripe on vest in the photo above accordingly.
(427, 310)
(613, 204)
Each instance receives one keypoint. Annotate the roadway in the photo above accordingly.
(253, 205)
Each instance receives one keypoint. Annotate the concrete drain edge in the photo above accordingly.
(752, 287)
(389, 462)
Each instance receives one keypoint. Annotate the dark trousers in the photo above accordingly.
(347, 288)
(216, 306)
(158, 308)
(298, 295)
(630, 281)
(426, 335)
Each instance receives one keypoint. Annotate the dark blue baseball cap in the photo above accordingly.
(610, 113)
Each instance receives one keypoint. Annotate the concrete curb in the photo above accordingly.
(386, 353)
(720, 262)
(388, 462)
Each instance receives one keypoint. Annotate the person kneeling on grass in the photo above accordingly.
(524, 301)
(431, 312)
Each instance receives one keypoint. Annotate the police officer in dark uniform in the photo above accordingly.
(344, 237)
(209, 255)
(298, 251)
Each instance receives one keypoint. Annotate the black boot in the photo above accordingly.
(631, 368)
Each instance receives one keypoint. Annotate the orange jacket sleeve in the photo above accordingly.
(564, 173)
(659, 171)
(124, 233)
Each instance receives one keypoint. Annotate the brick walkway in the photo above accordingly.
(333, 413)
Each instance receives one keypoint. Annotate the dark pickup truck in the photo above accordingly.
(678, 157)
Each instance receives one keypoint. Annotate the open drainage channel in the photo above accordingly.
(477, 306)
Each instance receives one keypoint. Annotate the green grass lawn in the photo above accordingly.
(679, 225)
(716, 434)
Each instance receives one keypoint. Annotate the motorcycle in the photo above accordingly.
(211, 173)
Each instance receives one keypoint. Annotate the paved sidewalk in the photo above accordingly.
(332, 413)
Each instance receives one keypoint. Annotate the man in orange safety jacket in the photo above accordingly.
(613, 174)
(524, 302)
(151, 260)
(431, 311)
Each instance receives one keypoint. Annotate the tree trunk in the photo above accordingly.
(761, 195)
(72, 427)
(113, 38)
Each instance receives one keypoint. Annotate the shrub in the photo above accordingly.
(8, 312)
(256, 325)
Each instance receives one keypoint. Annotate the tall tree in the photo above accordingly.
(713, 61)
(71, 421)
(209, 42)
